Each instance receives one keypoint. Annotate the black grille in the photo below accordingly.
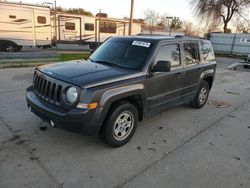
(47, 89)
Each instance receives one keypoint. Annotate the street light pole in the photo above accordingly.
(170, 25)
(131, 17)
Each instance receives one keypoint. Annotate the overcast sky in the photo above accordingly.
(121, 8)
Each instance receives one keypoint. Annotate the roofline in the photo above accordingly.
(159, 38)
(24, 4)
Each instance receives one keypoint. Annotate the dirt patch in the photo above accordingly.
(233, 93)
(219, 104)
(14, 138)
(34, 158)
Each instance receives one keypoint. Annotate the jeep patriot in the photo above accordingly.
(123, 81)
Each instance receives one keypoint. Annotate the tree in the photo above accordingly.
(219, 10)
(78, 11)
(151, 18)
(73, 11)
(176, 23)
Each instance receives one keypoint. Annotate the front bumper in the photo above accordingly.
(83, 121)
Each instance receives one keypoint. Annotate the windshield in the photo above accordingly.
(123, 53)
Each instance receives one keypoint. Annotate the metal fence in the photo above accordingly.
(230, 43)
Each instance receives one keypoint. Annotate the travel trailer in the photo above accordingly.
(24, 25)
(35, 25)
(84, 28)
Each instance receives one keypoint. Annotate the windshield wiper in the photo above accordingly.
(108, 63)
(90, 59)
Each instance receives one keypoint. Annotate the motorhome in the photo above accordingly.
(36, 25)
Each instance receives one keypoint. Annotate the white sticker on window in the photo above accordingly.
(141, 43)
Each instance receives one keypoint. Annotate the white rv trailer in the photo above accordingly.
(34, 25)
(24, 25)
(90, 29)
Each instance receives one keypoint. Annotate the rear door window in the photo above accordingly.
(192, 55)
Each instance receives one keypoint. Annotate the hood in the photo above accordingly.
(86, 74)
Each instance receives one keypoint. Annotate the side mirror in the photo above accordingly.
(162, 66)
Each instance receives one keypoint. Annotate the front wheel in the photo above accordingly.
(120, 125)
(201, 97)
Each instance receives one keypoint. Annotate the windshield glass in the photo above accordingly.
(123, 53)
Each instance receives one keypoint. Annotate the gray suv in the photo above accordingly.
(123, 81)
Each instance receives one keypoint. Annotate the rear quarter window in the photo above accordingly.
(207, 51)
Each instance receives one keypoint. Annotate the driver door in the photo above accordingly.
(165, 88)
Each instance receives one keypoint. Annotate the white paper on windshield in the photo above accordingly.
(141, 43)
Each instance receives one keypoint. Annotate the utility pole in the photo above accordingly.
(55, 25)
(99, 26)
(131, 17)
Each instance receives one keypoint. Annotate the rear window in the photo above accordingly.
(207, 51)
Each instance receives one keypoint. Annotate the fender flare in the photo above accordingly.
(207, 73)
(112, 95)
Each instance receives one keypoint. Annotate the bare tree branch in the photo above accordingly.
(213, 11)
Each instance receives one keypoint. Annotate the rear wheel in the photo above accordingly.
(11, 47)
(201, 97)
(120, 125)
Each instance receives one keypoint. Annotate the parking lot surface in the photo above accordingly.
(182, 147)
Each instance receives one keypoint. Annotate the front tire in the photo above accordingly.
(201, 97)
(120, 125)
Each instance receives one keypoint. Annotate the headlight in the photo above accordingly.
(71, 95)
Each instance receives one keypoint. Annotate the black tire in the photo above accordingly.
(47, 46)
(19, 48)
(124, 113)
(11, 47)
(202, 95)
